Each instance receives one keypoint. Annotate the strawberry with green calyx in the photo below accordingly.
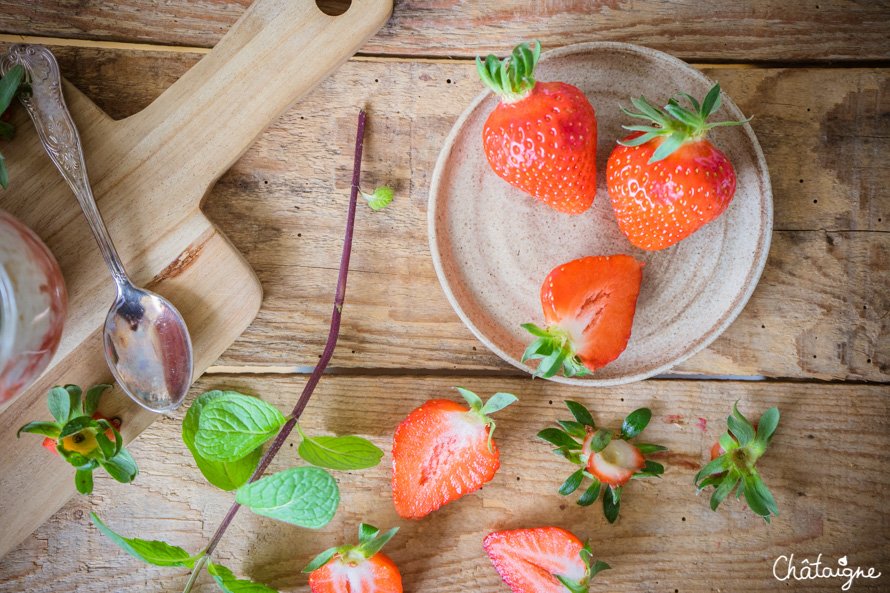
(542, 560)
(589, 305)
(608, 458)
(443, 451)
(356, 569)
(541, 137)
(741, 446)
(665, 179)
(82, 439)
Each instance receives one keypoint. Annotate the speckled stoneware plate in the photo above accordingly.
(492, 245)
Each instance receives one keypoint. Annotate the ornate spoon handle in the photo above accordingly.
(59, 137)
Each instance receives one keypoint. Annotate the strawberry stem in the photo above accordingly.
(325, 357)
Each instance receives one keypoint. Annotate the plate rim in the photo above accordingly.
(754, 273)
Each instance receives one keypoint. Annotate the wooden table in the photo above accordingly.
(814, 340)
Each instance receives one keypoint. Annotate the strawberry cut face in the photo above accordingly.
(377, 574)
(528, 560)
(616, 463)
(440, 453)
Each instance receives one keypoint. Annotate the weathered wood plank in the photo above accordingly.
(826, 468)
(820, 310)
(751, 30)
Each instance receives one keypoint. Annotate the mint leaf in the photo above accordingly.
(59, 403)
(224, 475)
(381, 198)
(304, 496)
(635, 422)
(83, 480)
(91, 403)
(340, 453)
(232, 425)
(153, 552)
(9, 84)
(228, 583)
(121, 467)
(47, 429)
(580, 413)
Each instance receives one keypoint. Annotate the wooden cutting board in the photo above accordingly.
(149, 174)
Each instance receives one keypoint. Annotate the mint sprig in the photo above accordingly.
(593, 441)
(82, 440)
(743, 445)
(9, 86)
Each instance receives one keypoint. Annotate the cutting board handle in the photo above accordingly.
(277, 51)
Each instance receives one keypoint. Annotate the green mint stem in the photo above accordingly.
(326, 354)
(195, 572)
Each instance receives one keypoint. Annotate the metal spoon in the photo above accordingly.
(147, 344)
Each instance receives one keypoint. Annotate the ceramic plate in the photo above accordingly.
(492, 245)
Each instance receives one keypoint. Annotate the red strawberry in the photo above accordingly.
(356, 569)
(442, 451)
(667, 181)
(616, 463)
(541, 138)
(589, 306)
(541, 560)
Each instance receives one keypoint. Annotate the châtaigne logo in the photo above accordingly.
(784, 569)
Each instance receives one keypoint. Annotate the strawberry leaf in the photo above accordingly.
(726, 485)
(612, 503)
(580, 413)
(600, 440)
(59, 403)
(226, 580)
(83, 480)
(652, 469)
(376, 544)
(572, 483)
(473, 400)
(711, 102)
(767, 427)
(575, 429)
(717, 466)
(647, 448)
(47, 429)
(635, 422)
(76, 404)
(559, 438)
(320, 560)
(121, 467)
(498, 402)
(76, 425)
(598, 567)
(91, 402)
(739, 426)
(573, 586)
(152, 552)
(591, 494)
(302, 496)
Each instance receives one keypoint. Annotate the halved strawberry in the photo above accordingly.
(589, 305)
(541, 560)
(442, 451)
(615, 464)
(356, 569)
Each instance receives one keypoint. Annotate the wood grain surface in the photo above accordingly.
(818, 311)
(818, 326)
(751, 30)
(826, 467)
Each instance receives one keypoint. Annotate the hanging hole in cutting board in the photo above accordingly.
(333, 7)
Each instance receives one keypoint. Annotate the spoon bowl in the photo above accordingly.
(148, 349)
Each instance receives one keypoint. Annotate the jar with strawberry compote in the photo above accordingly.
(33, 305)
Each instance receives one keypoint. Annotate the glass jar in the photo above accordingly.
(33, 304)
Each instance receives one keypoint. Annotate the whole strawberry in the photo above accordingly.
(541, 138)
(666, 180)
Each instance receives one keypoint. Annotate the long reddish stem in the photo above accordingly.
(329, 346)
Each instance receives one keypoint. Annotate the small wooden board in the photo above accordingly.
(149, 174)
